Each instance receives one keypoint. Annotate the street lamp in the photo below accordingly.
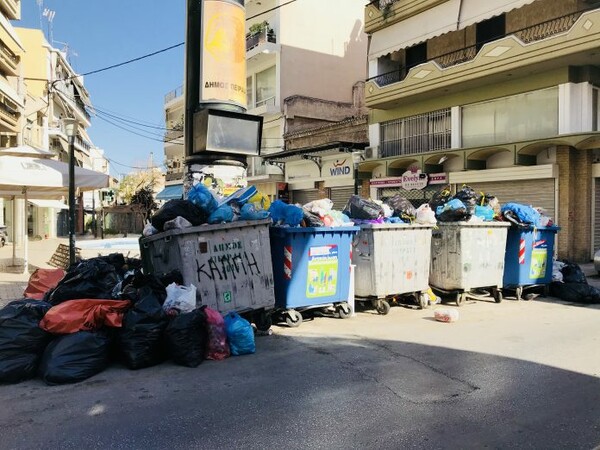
(71, 129)
(357, 157)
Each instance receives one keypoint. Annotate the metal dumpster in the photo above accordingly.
(230, 264)
(528, 258)
(312, 270)
(468, 256)
(392, 260)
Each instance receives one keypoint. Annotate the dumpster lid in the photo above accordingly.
(317, 229)
(393, 226)
(475, 224)
(207, 228)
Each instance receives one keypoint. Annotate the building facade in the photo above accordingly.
(501, 95)
(290, 51)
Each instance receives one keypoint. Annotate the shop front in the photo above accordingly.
(413, 185)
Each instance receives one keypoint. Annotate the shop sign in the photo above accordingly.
(414, 180)
(438, 178)
(387, 182)
(340, 167)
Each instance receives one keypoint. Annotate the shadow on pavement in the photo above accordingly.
(306, 392)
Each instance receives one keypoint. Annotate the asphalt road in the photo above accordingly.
(513, 375)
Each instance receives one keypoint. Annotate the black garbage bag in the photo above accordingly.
(75, 357)
(140, 339)
(363, 209)
(469, 197)
(91, 278)
(131, 285)
(572, 273)
(187, 338)
(440, 198)
(402, 207)
(311, 219)
(575, 292)
(22, 341)
(174, 208)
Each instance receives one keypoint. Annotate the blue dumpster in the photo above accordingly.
(528, 258)
(311, 268)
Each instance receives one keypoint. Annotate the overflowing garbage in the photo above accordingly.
(102, 311)
(570, 284)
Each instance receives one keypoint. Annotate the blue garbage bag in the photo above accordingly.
(223, 213)
(200, 196)
(286, 214)
(485, 212)
(524, 214)
(239, 334)
(249, 212)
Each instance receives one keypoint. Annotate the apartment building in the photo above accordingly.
(53, 92)
(311, 48)
(498, 94)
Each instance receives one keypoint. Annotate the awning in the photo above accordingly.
(44, 203)
(448, 16)
(173, 192)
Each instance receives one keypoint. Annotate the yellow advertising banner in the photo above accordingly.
(224, 53)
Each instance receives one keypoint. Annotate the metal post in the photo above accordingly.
(71, 199)
(355, 178)
(192, 70)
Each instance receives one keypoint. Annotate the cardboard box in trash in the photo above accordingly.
(230, 264)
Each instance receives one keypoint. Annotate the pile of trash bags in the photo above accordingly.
(396, 209)
(96, 314)
(204, 207)
(570, 284)
(469, 206)
(318, 213)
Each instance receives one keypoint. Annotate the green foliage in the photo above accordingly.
(258, 28)
(144, 197)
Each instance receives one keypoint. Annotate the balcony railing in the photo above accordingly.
(254, 40)
(174, 134)
(382, 4)
(9, 113)
(529, 34)
(9, 56)
(83, 143)
(266, 102)
(178, 92)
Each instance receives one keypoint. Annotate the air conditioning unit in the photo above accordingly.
(372, 152)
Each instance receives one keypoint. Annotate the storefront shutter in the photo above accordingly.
(340, 195)
(537, 193)
(305, 196)
(416, 196)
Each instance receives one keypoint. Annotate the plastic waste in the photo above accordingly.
(440, 198)
(217, 348)
(178, 223)
(260, 201)
(249, 212)
(22, 341)
(41, 281)
(222, 214)
(179, 297)
(484, 212)
(445, 315)
(521, 214)
(140, 338)
(149, 230)
(186, 337)
(360, 208)
(452, 211)
(320, 207)
(285, 214)
(575, 292)
(175, 208)
(469, 197)
(239, 334)
(403, 208)
(425, 215)
(201, 196)
(572, 273)
(84, 315)
(75, 357)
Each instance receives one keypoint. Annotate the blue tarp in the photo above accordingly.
(174, 192)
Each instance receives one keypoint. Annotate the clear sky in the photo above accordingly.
(100, 33)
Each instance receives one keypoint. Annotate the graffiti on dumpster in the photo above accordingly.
(322, 271)
(228, 266)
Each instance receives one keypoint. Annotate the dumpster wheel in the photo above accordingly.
(497, 293)
(423, 301)
(293, 318)
(519, 293)
(382, 307)
(460, 298)
(344, 310)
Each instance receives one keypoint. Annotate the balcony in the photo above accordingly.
(9, 116)
(174, 134)
(382, 13)
(262, 37)
(172, 95)
(82, 144)
(11, 9)
(265, 107)
(570, 40)
(8, 60)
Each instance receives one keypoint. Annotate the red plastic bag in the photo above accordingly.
(84, 315)
(41, 281)
(217, 347)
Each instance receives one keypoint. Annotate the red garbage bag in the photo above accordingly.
(84, 315)
(41, 281)
(217, 348)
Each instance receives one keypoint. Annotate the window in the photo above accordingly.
(416, 134)
(490, 29)
(595, 110)
(265, 87)
(532, 115)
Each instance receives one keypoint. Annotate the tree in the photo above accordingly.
(144, 199)
(133, 182)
